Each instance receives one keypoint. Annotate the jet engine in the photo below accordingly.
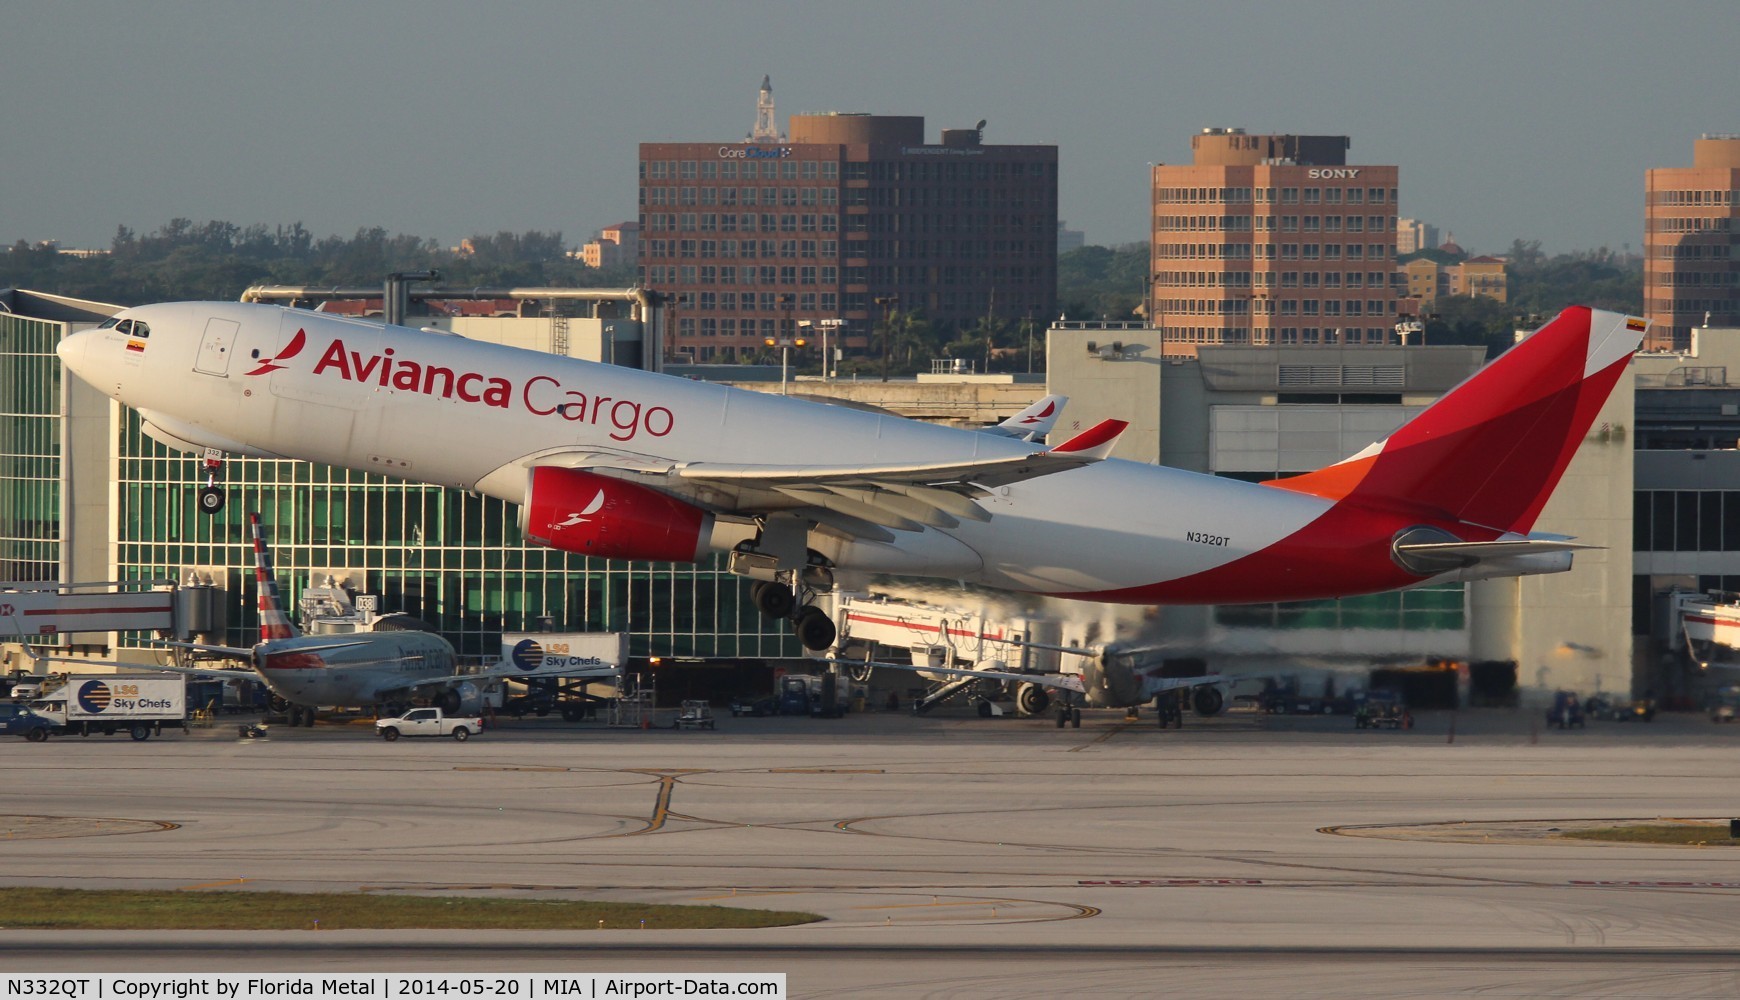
(579, 511)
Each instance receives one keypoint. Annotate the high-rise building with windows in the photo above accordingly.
(849, 218)
(1691, 276)
(1272, 239)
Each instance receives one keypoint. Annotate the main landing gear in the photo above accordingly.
(810, 624)
(211, 495)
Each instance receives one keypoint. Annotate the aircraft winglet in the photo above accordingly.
(1095, 442)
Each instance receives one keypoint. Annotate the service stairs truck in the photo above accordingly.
(137, 704)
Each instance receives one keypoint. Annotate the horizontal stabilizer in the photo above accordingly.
(1493, 550)
(1429, 558)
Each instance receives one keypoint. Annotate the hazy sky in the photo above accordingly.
(442, 119)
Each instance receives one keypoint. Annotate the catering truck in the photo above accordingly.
(137, 704)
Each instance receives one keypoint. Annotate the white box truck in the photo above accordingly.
(137, 704)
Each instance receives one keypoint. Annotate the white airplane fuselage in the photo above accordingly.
(436, 408)
(310, 670)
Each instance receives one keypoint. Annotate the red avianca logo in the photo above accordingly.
(297, 343)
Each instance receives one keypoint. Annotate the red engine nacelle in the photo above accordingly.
(578, 511)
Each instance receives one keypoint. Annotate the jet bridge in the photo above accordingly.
(36, 611)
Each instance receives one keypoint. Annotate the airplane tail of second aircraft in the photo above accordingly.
(274, 623)
(1491, 450)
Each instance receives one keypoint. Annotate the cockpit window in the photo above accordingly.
(140, 329)
(109, 323)
(125, 326)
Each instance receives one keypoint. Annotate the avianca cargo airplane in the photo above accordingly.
(625, 464)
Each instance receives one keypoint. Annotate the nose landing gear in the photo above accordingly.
(211, 495)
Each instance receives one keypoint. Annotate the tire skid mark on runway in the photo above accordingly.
(1101, 738)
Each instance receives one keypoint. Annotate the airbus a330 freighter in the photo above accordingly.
(625, 464)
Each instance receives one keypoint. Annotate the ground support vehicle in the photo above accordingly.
(1382, 710)
(1566, 711)
(695, 715)
(137, 704)
(429, 722)
(19, 720)
(1725, 705)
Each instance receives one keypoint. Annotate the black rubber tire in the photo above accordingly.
(140, 731)
(462, 734)
(814, 629)
(37, 735)
(1075, 718)
(211, 500)
(1207, 700)
(389, 734)
(1062, 717)
(572, 713)
(775, 600)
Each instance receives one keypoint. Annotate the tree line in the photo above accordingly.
(218, 260)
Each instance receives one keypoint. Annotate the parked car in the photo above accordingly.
(17, 720)
(1566, 711)
(765, 705)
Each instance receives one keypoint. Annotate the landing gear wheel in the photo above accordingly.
(775, 600)
(1075, 718)
(1062, 717)
(814, 628)
(211, 500)
(1207, 700)
(294, 714)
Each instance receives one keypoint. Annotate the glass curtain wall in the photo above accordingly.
(454, 559)
(30, 473)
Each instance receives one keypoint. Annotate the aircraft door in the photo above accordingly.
(215, 347)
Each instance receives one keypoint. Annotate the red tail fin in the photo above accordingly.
(1492, 449)
(274, 624)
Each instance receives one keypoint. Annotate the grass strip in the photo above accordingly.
(127, 909)
(1682, 834)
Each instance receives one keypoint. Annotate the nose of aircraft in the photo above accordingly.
(72, 351)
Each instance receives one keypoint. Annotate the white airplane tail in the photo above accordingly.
(274, 623)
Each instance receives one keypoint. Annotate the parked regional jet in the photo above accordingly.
(363, 668)
(625, 464)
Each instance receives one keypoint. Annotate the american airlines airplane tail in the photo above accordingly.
(274, 623)
(1491, 450)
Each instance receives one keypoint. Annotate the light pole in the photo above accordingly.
(785, 344)
(828, 357)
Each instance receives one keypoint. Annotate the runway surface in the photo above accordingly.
(952, 857)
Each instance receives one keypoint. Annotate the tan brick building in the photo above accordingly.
(1689, 267)
(1272, 239)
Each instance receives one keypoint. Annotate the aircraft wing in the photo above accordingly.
(862, 501)
(499, 673)
(1062, 682)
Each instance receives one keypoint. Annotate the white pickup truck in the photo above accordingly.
(429, 722)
